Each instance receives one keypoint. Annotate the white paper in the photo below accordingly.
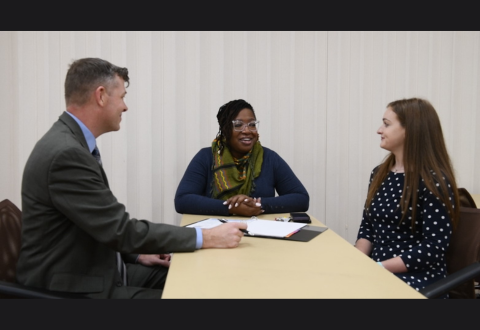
(256, 226)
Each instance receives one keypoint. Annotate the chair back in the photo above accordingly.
(10, 239)
(10, 244)
(465, 198)
(464, 249)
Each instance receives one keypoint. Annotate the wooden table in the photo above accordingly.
(476, 198)
(325, 267)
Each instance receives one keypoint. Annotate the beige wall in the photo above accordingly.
(319, 96)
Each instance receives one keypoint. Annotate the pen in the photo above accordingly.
(242, 230)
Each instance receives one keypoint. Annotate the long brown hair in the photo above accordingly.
(424, 152)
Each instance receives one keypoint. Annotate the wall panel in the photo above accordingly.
(319, 97)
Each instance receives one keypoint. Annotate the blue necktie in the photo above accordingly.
(96, 154)
(121, 265)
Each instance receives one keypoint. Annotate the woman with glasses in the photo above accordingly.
(412, 203)
(236, 175)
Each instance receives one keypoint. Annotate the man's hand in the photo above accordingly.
(227, 235)
(154, 259)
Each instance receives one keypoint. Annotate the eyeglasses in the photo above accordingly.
(239, 126)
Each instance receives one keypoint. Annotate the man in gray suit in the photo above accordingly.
(76, 236)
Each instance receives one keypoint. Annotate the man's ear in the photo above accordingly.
(100, 95)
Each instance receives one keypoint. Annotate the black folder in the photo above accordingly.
(306, 233)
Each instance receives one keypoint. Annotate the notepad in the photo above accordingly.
(257, 227)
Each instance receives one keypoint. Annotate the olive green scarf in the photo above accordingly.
(233, 176)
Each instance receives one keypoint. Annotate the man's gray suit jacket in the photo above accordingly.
(73, 224)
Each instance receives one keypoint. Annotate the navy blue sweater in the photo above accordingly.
(194, 196)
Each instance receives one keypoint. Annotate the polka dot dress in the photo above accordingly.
(422, 251)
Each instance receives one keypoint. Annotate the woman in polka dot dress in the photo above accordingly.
(412, 203)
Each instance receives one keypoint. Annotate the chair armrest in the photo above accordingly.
(453, 280)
